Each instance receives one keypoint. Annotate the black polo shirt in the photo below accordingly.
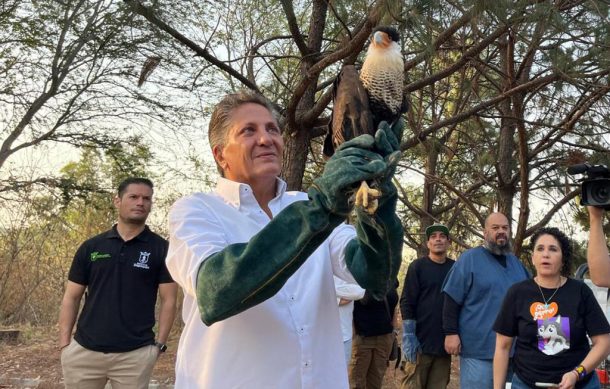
(374, 318)
(122, 280)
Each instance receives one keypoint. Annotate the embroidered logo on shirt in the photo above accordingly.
(541, 311)
(97, 255)
(143, 260)
(554, 335)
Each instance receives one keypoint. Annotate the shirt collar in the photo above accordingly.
(235, 192)
(114, 234)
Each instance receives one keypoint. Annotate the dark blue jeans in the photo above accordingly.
(518, 384)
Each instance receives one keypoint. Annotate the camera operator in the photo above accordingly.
(597, 251)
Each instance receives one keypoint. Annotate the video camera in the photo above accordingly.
(595, 186)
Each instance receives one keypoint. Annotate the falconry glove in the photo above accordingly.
(243, 275)
(353, 162)
(410, 343)
(387, 144)
(374, 258)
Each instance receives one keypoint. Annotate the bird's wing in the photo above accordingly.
(351, 114)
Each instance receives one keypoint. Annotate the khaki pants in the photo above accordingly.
(428, 372)
(369, 361)
(86, 369)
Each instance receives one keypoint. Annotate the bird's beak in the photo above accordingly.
(378, 37)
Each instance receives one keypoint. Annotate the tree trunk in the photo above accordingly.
(295, 157)
(429, 193)
(297, 140)
(506, 144)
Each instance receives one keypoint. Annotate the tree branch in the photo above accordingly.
(149, 15)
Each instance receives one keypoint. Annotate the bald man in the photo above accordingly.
(474, 290)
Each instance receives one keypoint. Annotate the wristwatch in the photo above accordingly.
(162, 346)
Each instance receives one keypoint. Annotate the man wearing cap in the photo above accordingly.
(474, 290)
(427, 363)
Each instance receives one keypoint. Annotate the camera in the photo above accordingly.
(595, 187)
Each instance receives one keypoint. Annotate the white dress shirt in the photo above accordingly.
(348, 291)
(292, 340)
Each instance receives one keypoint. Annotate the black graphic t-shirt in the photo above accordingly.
(551, 338)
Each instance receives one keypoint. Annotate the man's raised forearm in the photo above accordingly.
(597, 250)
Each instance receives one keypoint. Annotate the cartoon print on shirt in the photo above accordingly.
(554, 335)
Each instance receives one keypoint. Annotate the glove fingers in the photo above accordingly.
(354, 153)
(366, 170)
(350, 170)
(393, 159)
(362, 142)
(398, 129)
(382, 143)
(390, 136)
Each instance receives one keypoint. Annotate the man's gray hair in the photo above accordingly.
(220, 121)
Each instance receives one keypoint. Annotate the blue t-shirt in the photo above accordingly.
(478, 282)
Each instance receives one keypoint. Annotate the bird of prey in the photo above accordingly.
(361, 102)
(149, 66)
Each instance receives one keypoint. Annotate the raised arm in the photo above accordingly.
(375, 257)
(597, 250)
(235, 278)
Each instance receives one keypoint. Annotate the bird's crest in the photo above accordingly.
(391, 31)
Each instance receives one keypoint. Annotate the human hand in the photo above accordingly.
(410, 343)
(568, 381)
(595, 213)
(453, 345)
(353, 162)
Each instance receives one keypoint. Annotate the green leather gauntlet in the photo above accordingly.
(355, 161)
(374, 258)
(246, 274)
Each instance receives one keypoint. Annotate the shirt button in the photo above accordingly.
(306, 363)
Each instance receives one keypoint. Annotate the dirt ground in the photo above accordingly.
(34, 359)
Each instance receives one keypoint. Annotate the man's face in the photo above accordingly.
(135, 203)
(497, 232)
(438, 243)
(254, 146)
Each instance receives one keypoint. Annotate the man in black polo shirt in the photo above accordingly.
(375, 329)
(427, 363)
(121, 271)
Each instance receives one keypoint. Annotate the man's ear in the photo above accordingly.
(218, 156)
(117, 201)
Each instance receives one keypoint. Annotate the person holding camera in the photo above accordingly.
(597, 250)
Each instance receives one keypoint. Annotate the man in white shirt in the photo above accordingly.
(256, 262)
(346, 295)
